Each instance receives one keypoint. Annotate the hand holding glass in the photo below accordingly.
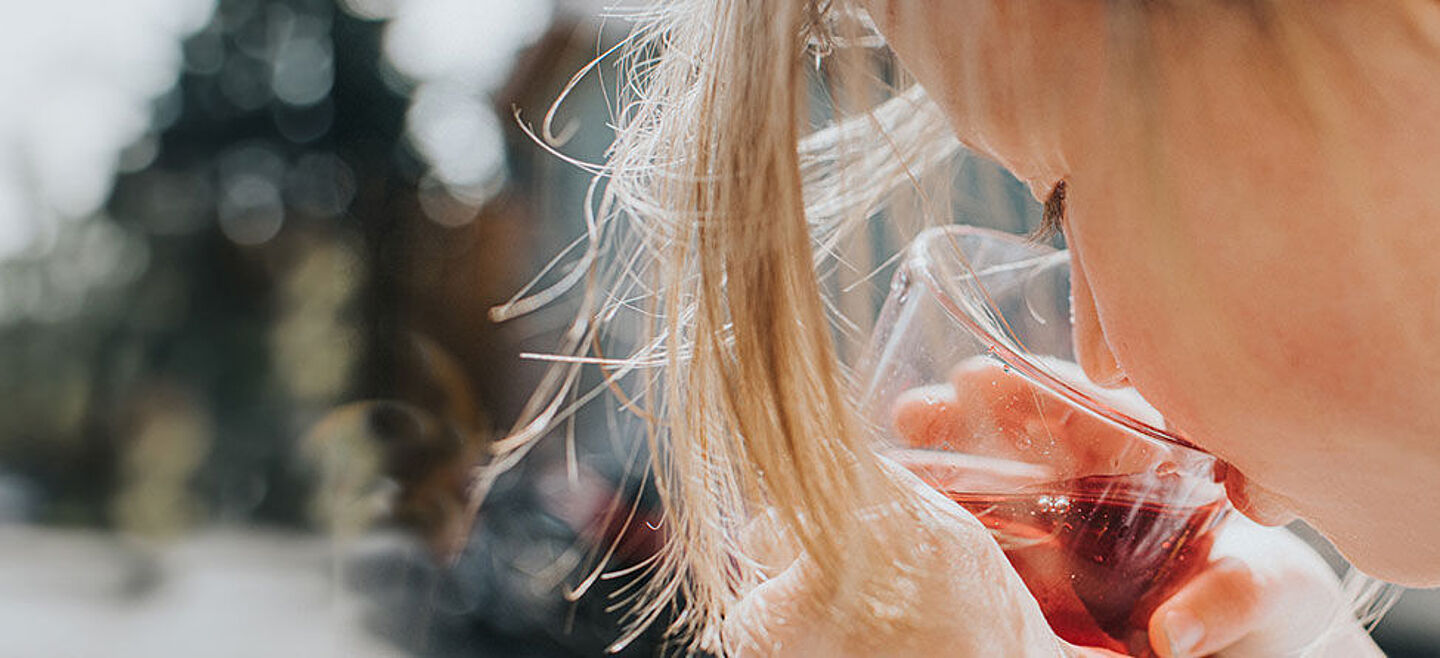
(971, 380)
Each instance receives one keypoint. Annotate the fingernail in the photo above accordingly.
(1183, 633)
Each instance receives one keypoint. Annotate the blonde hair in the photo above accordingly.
(712, 219)
(712, 212)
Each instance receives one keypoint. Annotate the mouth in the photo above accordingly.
(1254, 501)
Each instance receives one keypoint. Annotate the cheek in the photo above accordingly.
(1183, 359)
(1199, 343)
(993, 66)
(1276, 366)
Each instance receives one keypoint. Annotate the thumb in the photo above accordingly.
(1237, 610)
(1216, 609)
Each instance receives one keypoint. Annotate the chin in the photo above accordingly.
(1406, 560)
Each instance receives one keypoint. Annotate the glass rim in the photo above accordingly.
(918, 263)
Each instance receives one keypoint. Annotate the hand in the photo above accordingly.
(989, 410)
(1265, 593)
(974, 603)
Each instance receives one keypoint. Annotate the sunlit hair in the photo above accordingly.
(722, 206)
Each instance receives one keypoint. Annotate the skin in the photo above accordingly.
(1253, 223)
(1265, 595)
(786, 617)
(1254, 255)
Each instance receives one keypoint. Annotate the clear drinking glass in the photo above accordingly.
(972, 382)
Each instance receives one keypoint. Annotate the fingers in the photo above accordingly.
(1213, 611)
(1270, 596)
(928, 417)
(982, 401)
(989, 410)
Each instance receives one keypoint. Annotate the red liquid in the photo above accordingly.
(1097, 558)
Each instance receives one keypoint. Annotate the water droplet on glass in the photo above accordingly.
(1053, 504)
(1166, 468)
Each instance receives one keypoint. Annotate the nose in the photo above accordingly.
(1092, 350)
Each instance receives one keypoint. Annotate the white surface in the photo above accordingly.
(218, 595)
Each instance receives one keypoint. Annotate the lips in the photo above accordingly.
(1255, 502)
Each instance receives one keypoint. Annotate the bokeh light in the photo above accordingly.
(80, 93)
(457, 53)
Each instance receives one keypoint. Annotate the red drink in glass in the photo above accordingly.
(972, 381)
(1099, 553)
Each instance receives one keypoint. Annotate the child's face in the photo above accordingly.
(1255, 235)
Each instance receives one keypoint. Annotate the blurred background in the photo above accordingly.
(247, 251)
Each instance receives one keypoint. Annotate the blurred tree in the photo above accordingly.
(285, 248)
(261, 227)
